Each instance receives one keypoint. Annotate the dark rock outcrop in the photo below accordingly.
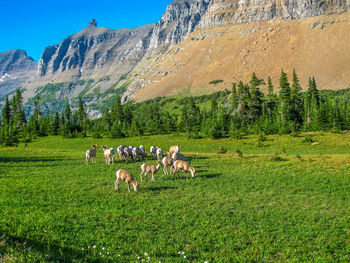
(93, 23)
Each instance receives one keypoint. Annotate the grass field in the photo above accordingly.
(293, 206)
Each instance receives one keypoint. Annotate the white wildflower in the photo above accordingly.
(94, 246)
(183, 252)
(103, 248)
(184, 256)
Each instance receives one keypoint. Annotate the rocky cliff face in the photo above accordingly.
(94, 49)
(15, 69)
(228, 12)
(180, 18)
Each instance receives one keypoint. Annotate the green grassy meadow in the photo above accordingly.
(287, 201)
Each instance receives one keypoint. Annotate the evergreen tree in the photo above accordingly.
(255, 102)
(117, 131)
(234, 97)
(193, 118)
(107, 122)
(286, 105)
(255, 81)
(6, 112)
(18, 111)
(285, 90)
(269, 87)
(55, 123)
(296, 100)
(81, 115)
(66, 122)
(271, 99)
(312, 90)
(117, 111)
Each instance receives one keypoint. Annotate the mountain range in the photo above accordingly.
(193, 43)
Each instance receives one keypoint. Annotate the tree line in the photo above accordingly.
(230, 113)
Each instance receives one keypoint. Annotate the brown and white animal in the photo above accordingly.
(178, 156)
(108, 153)
(174, 149)
(148, 168)
(123, 175)
(159, 154)
(153, 151)
(167, 161)
(184, 166)
(91, 154)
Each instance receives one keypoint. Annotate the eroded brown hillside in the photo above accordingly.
(318, 46)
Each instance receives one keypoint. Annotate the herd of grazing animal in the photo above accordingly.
(174, 159)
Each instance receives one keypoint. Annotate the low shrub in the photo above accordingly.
(239, 153)
(221, 150)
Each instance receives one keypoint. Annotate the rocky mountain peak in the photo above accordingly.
(93, 23)
(180, 19)
(15, 68)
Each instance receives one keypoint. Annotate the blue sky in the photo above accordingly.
(33, 25)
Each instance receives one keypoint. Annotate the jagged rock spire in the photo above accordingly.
(93, 23)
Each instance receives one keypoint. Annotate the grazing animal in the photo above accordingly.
(153, 151)
(91, 154)
(184, 166)
(123, 175)
(174, 149)
(121, 152)
(167, 161)
(178, 156)
(109, 154)
(143, 150)
(159, 154)
(128, 153)
(147, 168)
(138, 152)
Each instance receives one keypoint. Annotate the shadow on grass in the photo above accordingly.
(202, 170)
(264, 146)
(210, 175)
(161, 188)
(199, 158)
(201, 166)
(28, 159)
(54, 252)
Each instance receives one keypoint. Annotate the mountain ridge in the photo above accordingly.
(97, 63)
(16, 67)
